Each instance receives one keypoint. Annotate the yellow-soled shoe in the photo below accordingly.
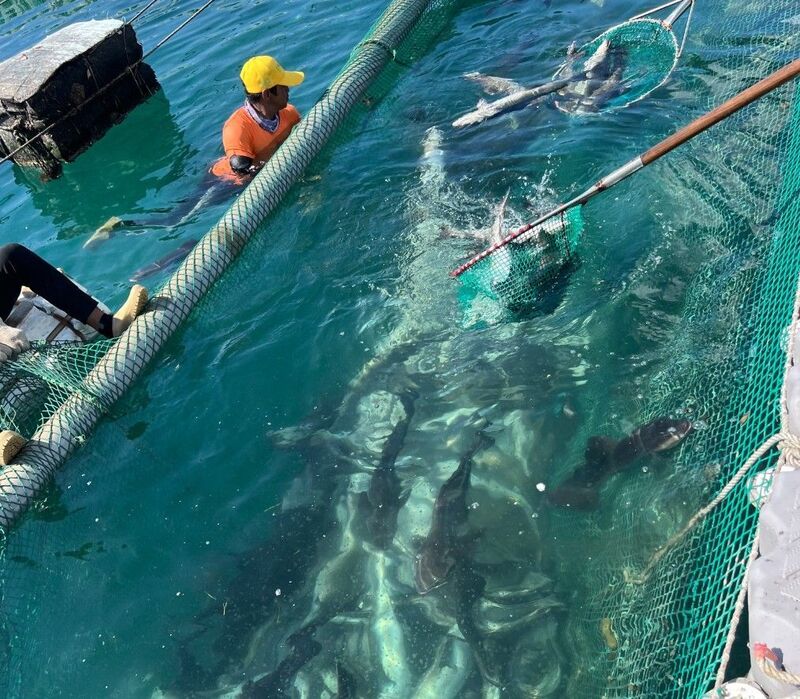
(137, 299)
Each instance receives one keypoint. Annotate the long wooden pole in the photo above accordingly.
(751, 94)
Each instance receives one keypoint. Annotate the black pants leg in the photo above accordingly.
(20, 267)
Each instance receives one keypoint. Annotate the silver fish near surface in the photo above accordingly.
(520, 98)
(601, 81)
(516, 95)
(582, 89)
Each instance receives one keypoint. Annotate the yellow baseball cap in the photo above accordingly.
(260, 73)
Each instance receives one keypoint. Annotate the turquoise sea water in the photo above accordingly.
(211, 515)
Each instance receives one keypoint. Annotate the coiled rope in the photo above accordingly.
(764, 653)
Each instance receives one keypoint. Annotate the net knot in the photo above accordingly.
(377, 42)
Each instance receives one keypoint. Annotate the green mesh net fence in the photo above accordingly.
(41, 380)
(661, 637)
(663, 634)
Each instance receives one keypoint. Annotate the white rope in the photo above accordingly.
(763, 653)
(786, 441)
(737, 615)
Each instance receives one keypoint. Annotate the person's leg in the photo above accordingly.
(10, 285)
(28, 269)
(22, 267)
(212, 191)
(114, 326)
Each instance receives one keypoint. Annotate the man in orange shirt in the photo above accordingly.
(250, 137)
(254, 131)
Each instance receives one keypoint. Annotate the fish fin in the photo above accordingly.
(455, 632)
(404, 496)
(496, 234)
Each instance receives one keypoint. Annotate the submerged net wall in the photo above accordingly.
(664, 635)
(72, 387)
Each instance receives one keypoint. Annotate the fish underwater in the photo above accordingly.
(605, 457)
(382, 501)
(277, 683)
(448, 673)
(162, 263)
(223, 630)
(449, 539)
(383, 465)
(583, 90)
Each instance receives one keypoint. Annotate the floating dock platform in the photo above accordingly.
(74, 85)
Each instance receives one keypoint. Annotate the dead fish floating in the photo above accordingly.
(605, 457)
(581, 90)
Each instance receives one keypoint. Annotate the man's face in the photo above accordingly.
(278, 96)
